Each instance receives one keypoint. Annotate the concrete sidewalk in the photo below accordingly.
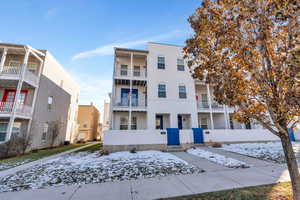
(40, 161)
(218, 178)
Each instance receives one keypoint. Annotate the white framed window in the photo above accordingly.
(136, 71)
(162, 93)
(204, 123)
(3, 131)
(85, 124)
(180, 64)
(133, 123)
(182, 91)
(50, 102)
(45, 131)
(123, 123)
(161, 62)
(32, 67)
(124, 70)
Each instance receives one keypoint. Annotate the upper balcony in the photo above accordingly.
(130, 64)
(123, 104)
(14, 73)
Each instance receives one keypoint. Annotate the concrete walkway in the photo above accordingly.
(214, 179)
(40, 161)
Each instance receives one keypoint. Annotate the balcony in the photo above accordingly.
(217, 106)
(22, 110)
(204, 106)
(14, 73)
(126, 74)
(123, 104)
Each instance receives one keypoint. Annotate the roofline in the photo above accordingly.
(20, 46)
(126, 49)
(166, 44)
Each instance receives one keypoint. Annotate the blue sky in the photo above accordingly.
(81, 34)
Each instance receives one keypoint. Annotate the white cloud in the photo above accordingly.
(52, 12)
(109, 48)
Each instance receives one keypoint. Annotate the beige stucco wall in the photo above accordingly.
(90, 115)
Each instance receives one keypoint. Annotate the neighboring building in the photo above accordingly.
(163, 95)
(88, 120)
(106, 116)
(36, 95)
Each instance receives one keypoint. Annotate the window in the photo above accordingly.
(123, 123)
(14, 63)
(45, 131)
(136, 71)
(182, 92)
(50, 102)
(133, 123)
(124, 70)
(32, 67)
(160, 62)
(162, 91)
(180, 64)
(204, 100)
(204, 123)
(3, 129)
(17, 128)
(85, 124)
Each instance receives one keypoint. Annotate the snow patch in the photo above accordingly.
(217, 158)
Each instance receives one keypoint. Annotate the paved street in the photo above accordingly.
(215, 178)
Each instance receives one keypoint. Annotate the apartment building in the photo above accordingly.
(153, 92)
(106, 116)
(88, 120)
(36, 93)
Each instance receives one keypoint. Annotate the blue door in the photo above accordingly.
(291, 135)
(173, 136)
(198, 135)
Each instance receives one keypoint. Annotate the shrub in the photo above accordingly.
(133, 150)
(104, 153)
(216, 145)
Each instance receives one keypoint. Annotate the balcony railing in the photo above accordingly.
(203, 104)
(15, 72)
(11, 71)
(217, 106)
(21, 109)
(124, 102)
(127, 73)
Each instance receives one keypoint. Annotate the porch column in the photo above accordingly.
(130, 90)
(3, 58)
(17, 96)
(210, 108)
(226, 117)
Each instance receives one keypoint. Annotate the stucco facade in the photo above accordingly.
(88, 121)
(36, 94)
(154, 90)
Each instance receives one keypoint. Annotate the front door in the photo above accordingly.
(159, 122)
(179, 121)
(9, 96)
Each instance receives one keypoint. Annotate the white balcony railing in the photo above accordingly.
(21, 109)
(127, 73)
(10, 71)
(203, 104)
(124, 102)
(15, 72)
(217, 106)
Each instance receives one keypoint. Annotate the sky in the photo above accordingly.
(81, 34)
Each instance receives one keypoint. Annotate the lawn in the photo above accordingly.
(20, 160)
(92, 148)
(88, 167)
(269, 151)
(279, 191)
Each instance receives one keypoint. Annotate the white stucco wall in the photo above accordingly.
(170, 76)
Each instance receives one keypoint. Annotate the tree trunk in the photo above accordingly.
(292, 165)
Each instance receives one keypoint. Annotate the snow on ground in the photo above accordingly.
(217, 158)
(85, 167)
(8, 165)
(267, 151)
